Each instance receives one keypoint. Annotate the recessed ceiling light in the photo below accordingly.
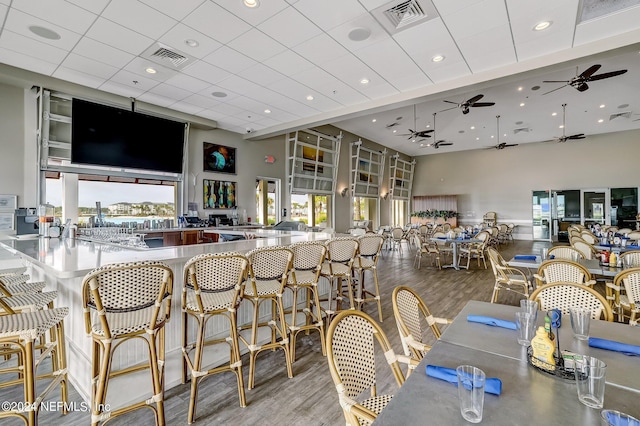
(359, 34)
(553, 114)
(602, 106)
(251, 3)
(520, 89)
(413, 140)
(394, 131)
(472, 127)
(600, 121)
(374, 120)
(267, 111)
(219, 94)
(44, 32)
(309, 97)
(561, 126)
(437, 58)
(542, 25)
(477, 139)
(421, 145)
(364, 81)
(521, 103)
(491, 136)
(505, 135)
(151, 70)
(191, 42)
(428, 125)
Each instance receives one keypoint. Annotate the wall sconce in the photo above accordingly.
(385, 196)
(344, 191)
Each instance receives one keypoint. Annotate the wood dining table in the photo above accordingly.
(528, 396)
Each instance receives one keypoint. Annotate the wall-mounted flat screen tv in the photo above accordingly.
(107, 136)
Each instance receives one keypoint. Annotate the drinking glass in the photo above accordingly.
(580, 319)
(526, 325)
(545, 254)
(616, 418)
(530, 306)
(471, 392)
(590, 380)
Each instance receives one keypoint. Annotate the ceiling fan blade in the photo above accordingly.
(557, 88)
(512, 144)
(577, 136)
(555, 81)
(448, 109)
(606, 75)
(450, 102)
(483, 104)
(590, 71)
(475, 99)
(582, 87)
(445, 144)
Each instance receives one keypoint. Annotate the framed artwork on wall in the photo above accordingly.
(219, 194)
(218, 158)
(8, 202)
(6, 221)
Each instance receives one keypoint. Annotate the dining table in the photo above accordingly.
(454, 242)
(528, 395)
(593, 265)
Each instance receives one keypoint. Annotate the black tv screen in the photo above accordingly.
(107, 136)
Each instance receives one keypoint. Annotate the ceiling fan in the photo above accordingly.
(438, 143)
(580, 81)
(394, 124)
(564, 137)
(473, 102)
(414, 134)
(500, 145)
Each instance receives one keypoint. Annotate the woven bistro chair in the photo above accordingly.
(338, 269)
(624, 294)
(565, 252)
(306, 314)
(586, 235)
(15, 284)
(269, 269)
(562, 270)
(397, 237)
(475, 250)
(212, 286)
(506, 277)
(412, 314)
(583, 247)
(426, 248)
(631, 258)
(351, 343)
(123, 302)
(369, 247)
(634, 236)
(567, 295)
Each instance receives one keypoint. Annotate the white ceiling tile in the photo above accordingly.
(557, 41)
(289, 27)
(187, 82)
(373, 4)
(201, 101)
(78, 77)
(325, 83)
(238, 85)
(216, 22)
(249, 106)
(448, 71)
(215, 88)
(29, 63)
(3, 13)
(139, 17)
(465, 23)
(206, 72)
(5, 2)
(19, 22)
(281, 116)
(134, 81)
(267, 122)
(177, 36)
(341, 32)
(139, 66)
(170, 91)
(176, 9)
(607, 26)
(261, 74)
(255, 15)
(58, 12)
(350, 69)
(447, 7)
(320, 49)
(324, 103)
(328, 14)
(95, 6)
(101, 52)
(288, 63)
(483, 43)
(118, 36)
(223, 110)
(378, 88)
(126, 90)
(156, 99)
(230, 60)
(89, 66)
(186, 107)
(256, 45)
(21, 44)
(491, 59)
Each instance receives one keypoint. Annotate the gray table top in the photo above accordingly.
(528, 396)
(593, 265)
(622, 370)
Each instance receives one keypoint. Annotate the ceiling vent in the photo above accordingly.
(625, 114)
(397, 16)
(167, 56)
(521, 130)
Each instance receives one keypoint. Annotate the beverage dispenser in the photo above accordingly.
(45, 219)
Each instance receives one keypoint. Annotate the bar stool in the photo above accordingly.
(338, 267)
(369, 247)
(18, 332)
(14, 284)
(308, 258)
(125, 301)
(212, 285)
(268, 275)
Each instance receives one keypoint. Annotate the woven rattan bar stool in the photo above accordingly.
(14, 284)
(212, 285)
(18, 332)
(303, 278)
(127, 301)
(369, 247)
(341, 255)
(268, 275)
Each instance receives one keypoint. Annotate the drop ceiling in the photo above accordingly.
(300, 63)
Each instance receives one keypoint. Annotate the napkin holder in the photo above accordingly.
(561, 370)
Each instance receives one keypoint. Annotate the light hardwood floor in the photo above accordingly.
(309, 398)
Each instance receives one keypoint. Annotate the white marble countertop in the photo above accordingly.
(65, 258)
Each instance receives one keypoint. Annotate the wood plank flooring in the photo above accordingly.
(309, 398)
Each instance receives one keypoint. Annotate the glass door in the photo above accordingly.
(541, 215)
(596, 206)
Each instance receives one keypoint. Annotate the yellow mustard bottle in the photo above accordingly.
(543, 350)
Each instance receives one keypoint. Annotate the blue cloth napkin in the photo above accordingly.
(524, 257)
(606, 245)
(491, 384)
(612, 345)
(616, 420)
(496, 322)
(633, 246)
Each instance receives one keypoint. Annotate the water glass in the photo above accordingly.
(616, 418)
(580, 319)
(530, 306)
(526, 325)
(544, 254)
(471, 392)
(590, 380)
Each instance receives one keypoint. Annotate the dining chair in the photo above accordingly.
(352, 338)
(631, 258)
(503, 233)
(567, 295)
(338, 270)
(589, 237)
(624, 294)
(624, 231)
(369, 247)
(506, 277)
(565, 252)
(412, 319)
(397, 237)
(634, 236)
(584, 247)
(475, 250)
(510, 228)
(563, 270)
(426, 248)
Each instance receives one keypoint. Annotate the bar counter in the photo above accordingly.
(63, 263)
